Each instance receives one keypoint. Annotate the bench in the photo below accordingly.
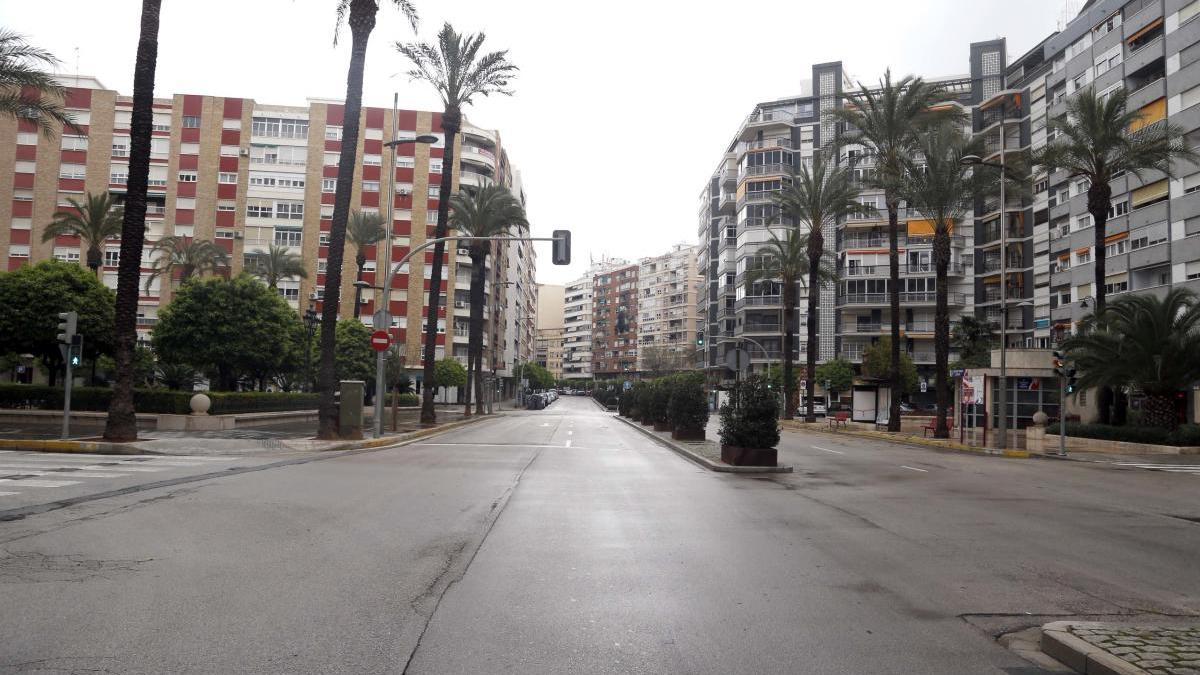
(932, 426)
(839, 419)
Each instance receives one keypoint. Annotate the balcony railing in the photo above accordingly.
(905, 269)
(767, 169)
(881, 241)
(905, 298)
(773, 328)
(863, 328)
(769, 143)
(755, 221)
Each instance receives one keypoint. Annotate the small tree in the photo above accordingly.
(688, 408)
(876, 362)
(660, 401)
(974, 339)
(837, 374)
(751, 421)
(449, 373)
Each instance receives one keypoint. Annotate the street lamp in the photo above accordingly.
(311, 321)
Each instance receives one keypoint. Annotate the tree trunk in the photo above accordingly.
(894, 301)
(1099, 196)
(93, 259)
(1158, 410)
(1120, 407)
(816, 246)
(360, 260)
(451, 122)
(941, 329)
(789, 348)
(121, 424)
(475, 329)
(470, 376)
(362, 22)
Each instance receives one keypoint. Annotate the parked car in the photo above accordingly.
(818, 409)
(906, 409)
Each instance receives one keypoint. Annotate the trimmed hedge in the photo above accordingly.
(1185, 435)
(752, 424)
(405, 400)
(158, 401)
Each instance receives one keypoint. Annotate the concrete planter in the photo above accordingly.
(688, 434)
(1077, 444)
(735, 456)
(662, 426)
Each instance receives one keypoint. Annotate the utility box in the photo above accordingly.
(350, 409)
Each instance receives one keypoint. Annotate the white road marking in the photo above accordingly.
(545, 424)
(9, 493)
(836, 452)
(65, 474)
(913, 468)
(568, 444)
(1169, 468)
(39, 483)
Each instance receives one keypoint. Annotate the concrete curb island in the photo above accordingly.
(700, 459)
(822, 427)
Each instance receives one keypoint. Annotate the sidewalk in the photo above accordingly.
(910, 438)
(1113, 649)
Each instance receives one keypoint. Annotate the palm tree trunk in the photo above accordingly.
(816, 245)
(362, 22)
(93, 259)
(475, 341)
(361, 261)
(470, 376)
(941, 331)
(121, 424)
(789, 348)
(894, 301)
(1159, 411)
(451, 122)
(1098, 201)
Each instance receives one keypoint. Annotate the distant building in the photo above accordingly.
(615, 322)
(577, 321)
(668, 288)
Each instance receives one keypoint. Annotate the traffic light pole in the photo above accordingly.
(66, 429)
(1062, 415)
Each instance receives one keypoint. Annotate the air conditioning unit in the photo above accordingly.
(244, 152)
(464, 251)
(238, 235)
(403, 193)
(459, 304)
(363, 301)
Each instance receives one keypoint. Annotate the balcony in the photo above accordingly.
(861, 271)
(767, 170)
(768, 143)
(928, 298)
(762, 197)
(727, 199)
(860, 328)
(755, 221)
(758, 301)
(762, 328)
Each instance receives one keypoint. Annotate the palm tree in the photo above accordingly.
(786, 260)
(1096, 141)
(29, 92)
(186, 257)
(360, 14)
(939, 186)
(491, 211)
(1147, 343)
(121, 424)
(818, 197)
(973, 339)
(886, 122)
(94, 221)
(459, 72)
(365, 229)
(274, 265)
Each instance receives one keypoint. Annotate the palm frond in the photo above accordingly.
(456, 67)
(30, 90)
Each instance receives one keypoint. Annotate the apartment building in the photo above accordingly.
(248, 175)
(615, 322)
(668, 289)
(550, 317)
(577, 320)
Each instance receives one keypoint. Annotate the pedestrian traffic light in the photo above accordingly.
(700, 339)
(560, 253)
(1072, 385)
(66, 326)
(75, 352)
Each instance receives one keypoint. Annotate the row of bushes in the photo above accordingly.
(408, 400)
(1184, 435)
(675, 403)
(749, 420)
(157, 401)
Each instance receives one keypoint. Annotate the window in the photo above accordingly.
(188, 177)
(23, 195)
(226, 206)
(230, 151)
(1108, 25)
(1192, 270)
(1083, 256)
(333, 132)
(74, 143)
(435, 166)
(372, 160)
(1120, 208)
(288, 237)
(1191, 183)
(1064, 298)
(323, 240)
(1107, 61)
(406, 162)
(328, 185)
(27, 138)
(118, 175)
(332, 158)
(160, 147)
(1189, 11)
(293, 155)
(290, 293)
(191, 122)
(1151, 235)
(257, 209)
(290, 210)
(323, 265)
(227, 178)
(1150, 194)
(1115, 248)
(185, 203)
(370, 186)
(279, 128)
(112, 257)
(1189, 98)
(120, 146)
(67, 255)
(1040, 186)
(77, 171)
(1112, 287)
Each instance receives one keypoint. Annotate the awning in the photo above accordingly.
(1148, 193)
(1148, 27)
(1152, 112)
(920, 228)
(1115, 237)
(1081, 251)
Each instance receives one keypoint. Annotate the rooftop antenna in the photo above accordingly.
(76, 66)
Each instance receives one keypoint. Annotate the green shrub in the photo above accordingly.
(752, 423)
(407, 400)
(1185, 435)
(640, 400)
(624, 404)
(659, 400)
(688, 409)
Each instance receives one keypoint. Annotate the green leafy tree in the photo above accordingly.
(459, 71)
(30, 91)
(539, 377)
(786, 261)
(939, 186)
(231, 328)
(750, 422)
(275, 264)
(185, 257)
(363, 230)
(489, 211)
(360, 15)
(876, 362)
(819, 198)
(355, 358)
(449, 373)
(974, 340)
(143, 366)
(94, 220)
(33, 296)
(838, 373)
(121, 424)
(1147, 343)
(886, 120)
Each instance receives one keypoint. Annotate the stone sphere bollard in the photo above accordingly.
(200, 404)
(1040, 418)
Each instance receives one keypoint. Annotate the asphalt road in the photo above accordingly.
(563, 541)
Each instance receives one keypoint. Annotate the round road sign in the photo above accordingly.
(380, 340)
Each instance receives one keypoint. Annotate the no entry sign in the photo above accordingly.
(380, 340)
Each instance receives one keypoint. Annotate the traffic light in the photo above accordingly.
(1059, 362)
(66, 326)
(560, 253)
(1072, 385)
(700, 339)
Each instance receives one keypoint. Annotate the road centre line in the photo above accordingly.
(913, 468)
(836, 452)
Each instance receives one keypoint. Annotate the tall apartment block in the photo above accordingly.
(615, 322)
(248, 175)
(550, 316)
(668, 288)
(577, 321)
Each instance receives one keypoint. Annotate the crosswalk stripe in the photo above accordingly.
(87, 467)
(9, 493)
(38, 483)
(1168, 468)
(71, 474)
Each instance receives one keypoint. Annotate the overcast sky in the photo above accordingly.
(622, 108)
